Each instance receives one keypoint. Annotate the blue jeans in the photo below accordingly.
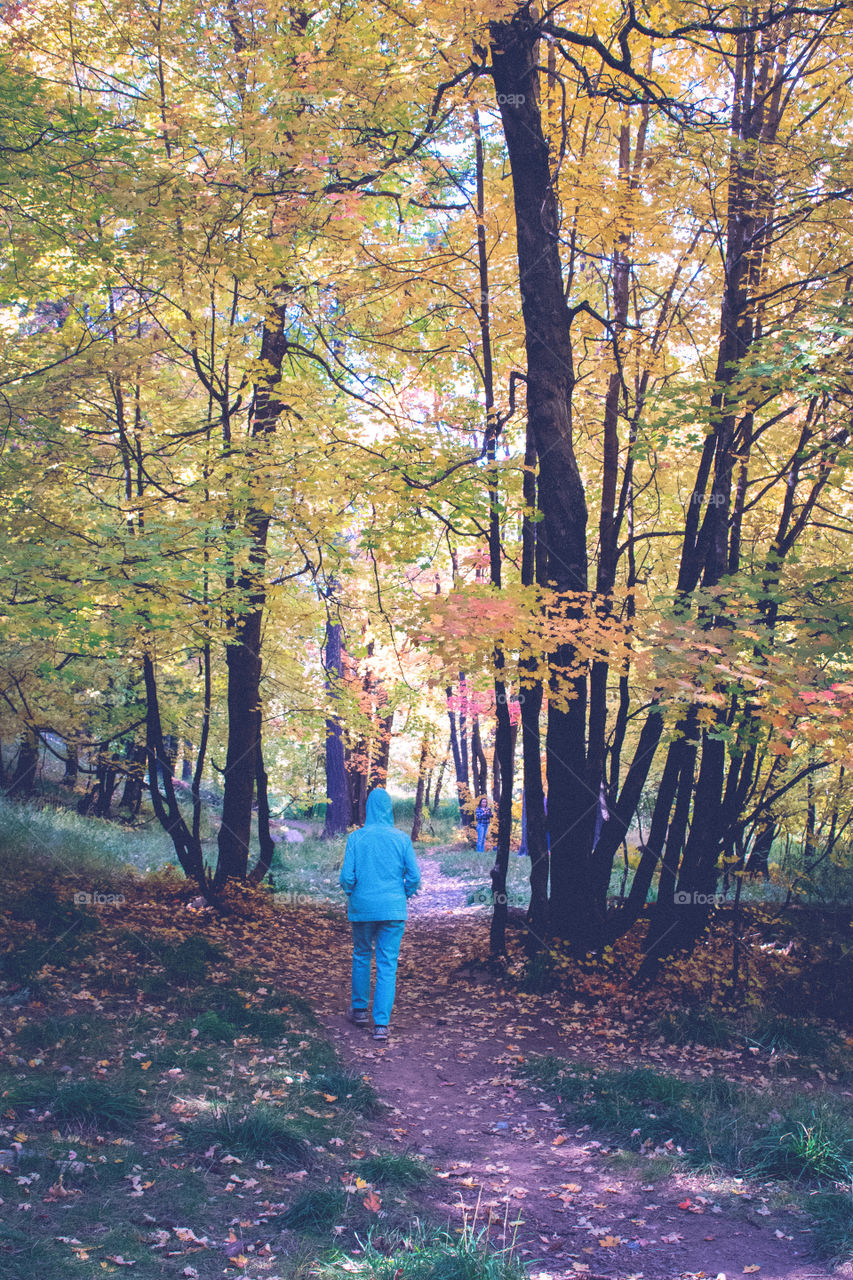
(386, 936)
(482, 828)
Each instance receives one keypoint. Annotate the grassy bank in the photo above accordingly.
(166, 1106)
(801, 1144)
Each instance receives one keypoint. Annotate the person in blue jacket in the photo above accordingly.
(380, 873)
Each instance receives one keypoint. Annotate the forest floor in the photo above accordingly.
(143, 1030)
(452, 1071)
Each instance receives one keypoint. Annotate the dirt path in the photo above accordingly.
(448, 1074)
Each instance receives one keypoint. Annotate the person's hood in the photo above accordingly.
(379, 807)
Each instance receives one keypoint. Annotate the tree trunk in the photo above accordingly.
(186, 842)
(23, 777)
(436, 797)
(460, 765)
(72, 762)
(244, 673)
(131, 796)
(106, 783)
(265, 840)
(337, 787)
(479, 763)
(420, 789)
(243, 649)
(575, 912)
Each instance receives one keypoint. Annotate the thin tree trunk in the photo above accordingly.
(23, 778)
(437, 793)
(337, 789)
(420, 802)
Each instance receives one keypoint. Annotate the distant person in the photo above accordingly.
(379, 874)
(482, 817)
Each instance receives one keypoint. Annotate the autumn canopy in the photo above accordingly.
(441, 394)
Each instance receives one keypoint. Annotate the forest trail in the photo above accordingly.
(448, 1075)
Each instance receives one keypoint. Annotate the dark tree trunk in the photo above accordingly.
(436, 796)
(338, 806)
(23, 778)
(243, 649)
(186, 842)
(170, 745)
(576, 914)
(381, 753)
(244, 673)
(460, 765)
(535, 833)
(420, 800)
(265, 840)
(664, 925)
(356, 764)
(479, 763)
(105, 785)
(72, 763)
(758, 862)
(131, 796)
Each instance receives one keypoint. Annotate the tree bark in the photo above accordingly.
(22, 782)
(420, 788)
(576, 914)
(243, 649)
(337, 787)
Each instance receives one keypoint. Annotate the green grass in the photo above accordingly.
(714, 1124)
(93, 1103)
(256, 1131)
(389, 1169)
(717, 1124)
(211, 1026)
(780, 1034)
(696, 1025)
(316, 1211)
(771, 1033)
(428, 1254)
(129, 1117)
(832, 1213)
(350, 1091)
(51, 836)
(817, 1147)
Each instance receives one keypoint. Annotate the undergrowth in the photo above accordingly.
(713, 1124)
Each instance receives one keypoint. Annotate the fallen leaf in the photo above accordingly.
(372, 1202)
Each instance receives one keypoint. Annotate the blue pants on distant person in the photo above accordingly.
(385, 936)
(482, 829)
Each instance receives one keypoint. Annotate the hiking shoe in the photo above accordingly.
(380, 1033)
(358, 1017)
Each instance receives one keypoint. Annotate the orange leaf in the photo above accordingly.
(372, 1202)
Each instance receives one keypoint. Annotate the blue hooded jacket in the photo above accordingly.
(380, 870)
